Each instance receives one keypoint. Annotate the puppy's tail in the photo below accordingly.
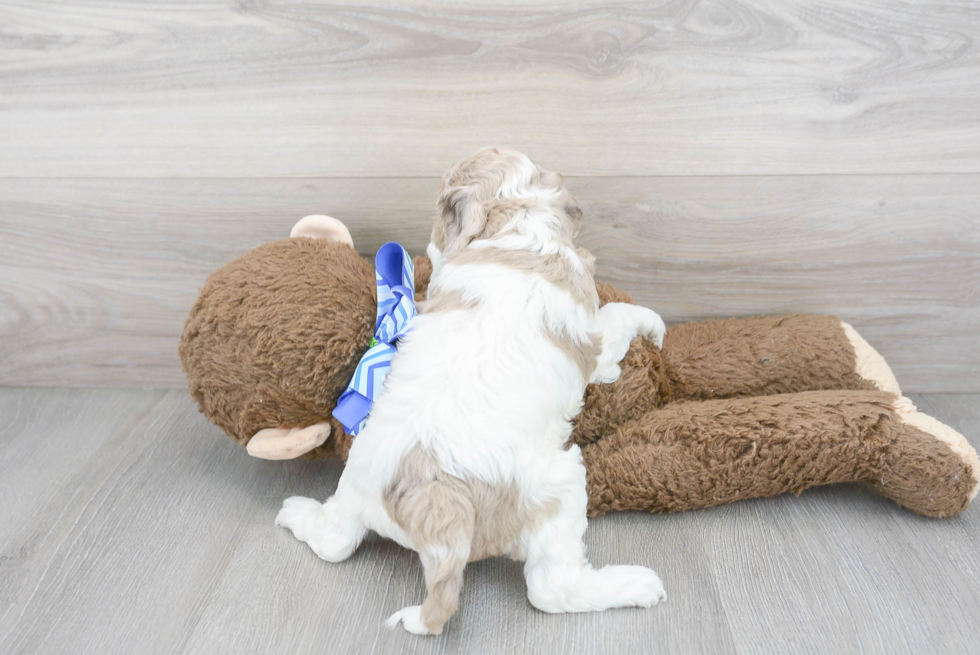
(436, 512)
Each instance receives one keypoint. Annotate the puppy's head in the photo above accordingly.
(499, 190)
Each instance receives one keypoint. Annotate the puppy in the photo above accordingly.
(464, 454)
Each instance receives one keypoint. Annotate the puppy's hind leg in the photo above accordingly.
(332, 530)
(436, 512)
(559, 578)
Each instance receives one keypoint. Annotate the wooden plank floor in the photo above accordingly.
(130, 525)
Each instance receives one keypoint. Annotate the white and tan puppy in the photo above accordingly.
(464, 454)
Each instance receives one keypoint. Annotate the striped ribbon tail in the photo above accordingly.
(395, 276)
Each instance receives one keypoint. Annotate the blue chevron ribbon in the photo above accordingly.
(395, 275)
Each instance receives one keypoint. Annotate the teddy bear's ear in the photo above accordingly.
(319, 226)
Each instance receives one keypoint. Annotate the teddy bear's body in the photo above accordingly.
(726, 410)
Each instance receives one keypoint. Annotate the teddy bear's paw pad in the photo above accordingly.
(410, 618)
(631, 586)
(956, 442)
(869, 364)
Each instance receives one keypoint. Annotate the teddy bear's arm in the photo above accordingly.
(764, 355)
(770, 355)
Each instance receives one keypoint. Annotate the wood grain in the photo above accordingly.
(855, 570)
(262, 89)
(898, 257)
(732, 157)
(40, 453)
(121, 559)
(139, 528)
(96, 276)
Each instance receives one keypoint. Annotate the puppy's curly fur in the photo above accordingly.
(464, 454)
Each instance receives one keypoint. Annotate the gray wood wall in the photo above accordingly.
(732, 157)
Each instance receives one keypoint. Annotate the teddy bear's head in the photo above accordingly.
(276, 335)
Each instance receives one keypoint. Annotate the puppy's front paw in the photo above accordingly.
(634, 586)
(651, 327)
(606, 374)
(411, 620)
(332, 534)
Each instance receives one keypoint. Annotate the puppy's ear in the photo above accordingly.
(574, 215)
(566, 203)
(438, 236)
(464, 216)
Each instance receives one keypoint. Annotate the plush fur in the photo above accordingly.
(726, 410)
(677, 459)
(464, 454)
(246, 376)
(274, 338)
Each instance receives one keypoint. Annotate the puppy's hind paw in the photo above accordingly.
(300, 515)
(411, 620)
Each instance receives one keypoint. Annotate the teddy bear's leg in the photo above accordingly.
(946, 465)
(697, 454)
(770, 355)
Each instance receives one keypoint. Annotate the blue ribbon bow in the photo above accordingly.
(395, 275)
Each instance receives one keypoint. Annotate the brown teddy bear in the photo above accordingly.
(726, 410)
